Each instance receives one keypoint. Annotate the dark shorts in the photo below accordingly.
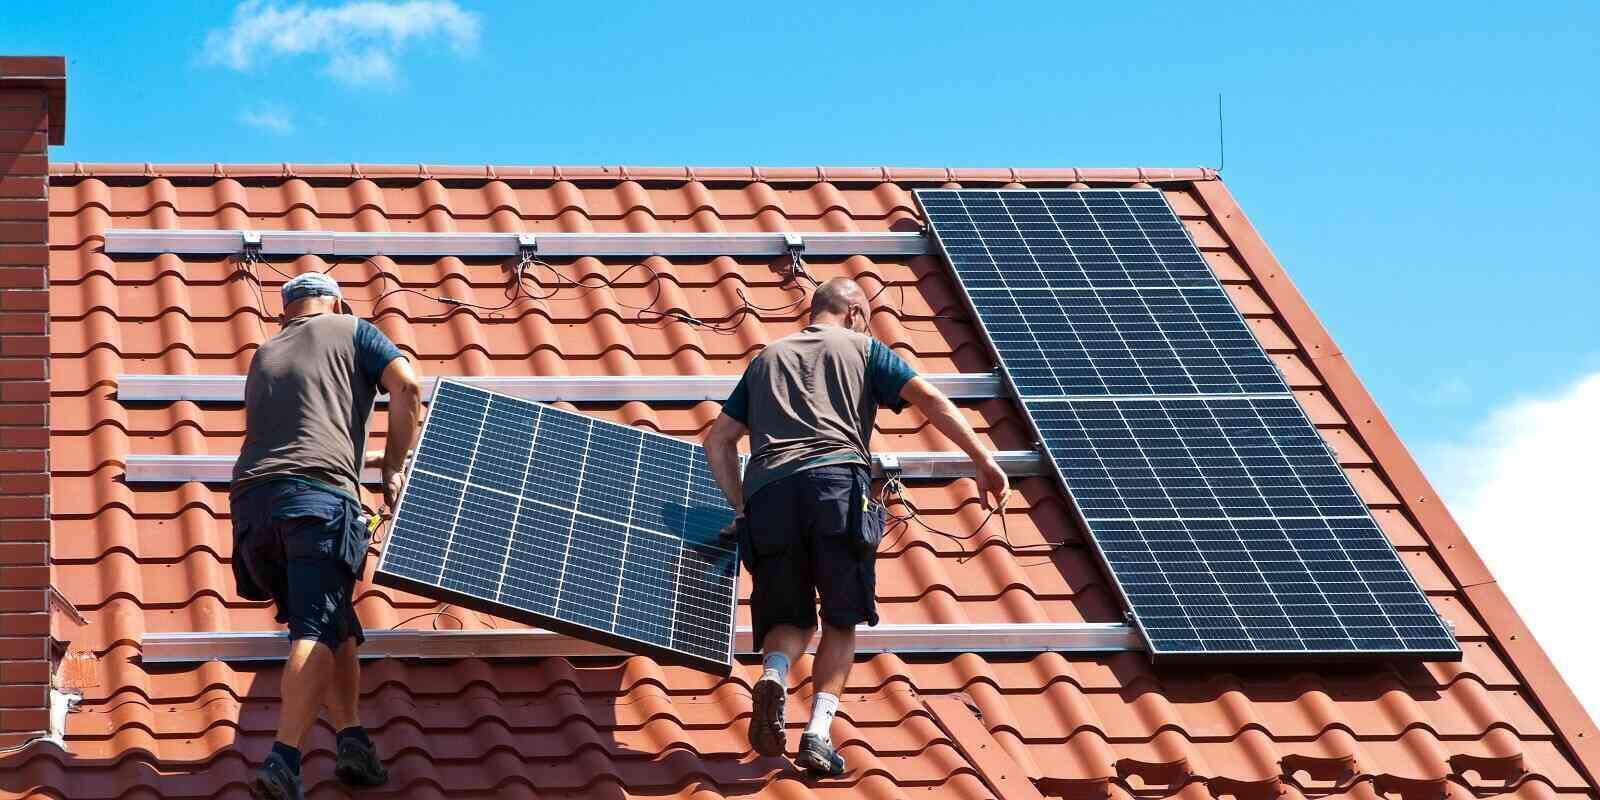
(802, 548)
(303, 548)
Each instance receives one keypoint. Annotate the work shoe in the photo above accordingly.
(359, 765)
(275, 781)
(766, 719)
(818, 757)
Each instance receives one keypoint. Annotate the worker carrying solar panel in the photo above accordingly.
(299, 532)
(806, 525)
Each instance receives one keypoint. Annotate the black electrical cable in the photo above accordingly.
(647, 314)
(894, 491)
(900, 309)
(246, 266)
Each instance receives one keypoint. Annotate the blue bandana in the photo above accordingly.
(310, 284)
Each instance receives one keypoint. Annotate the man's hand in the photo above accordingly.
(992, 483)
(373, 460)
(393, 482)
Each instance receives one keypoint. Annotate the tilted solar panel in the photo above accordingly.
(578, 525)
(1222, 516)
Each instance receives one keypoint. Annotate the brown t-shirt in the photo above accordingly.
(307, 401)
(810, 398)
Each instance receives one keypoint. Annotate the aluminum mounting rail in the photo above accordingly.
(582, 389)
(127, 241)
(218, 469)
(1031, 637)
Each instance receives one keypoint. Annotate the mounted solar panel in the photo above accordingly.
(1221, 515)
(578, 525)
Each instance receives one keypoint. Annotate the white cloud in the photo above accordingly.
(269, 117)
(1523, 485)
(358, 41)
(368, 66)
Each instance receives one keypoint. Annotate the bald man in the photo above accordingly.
(806, 524)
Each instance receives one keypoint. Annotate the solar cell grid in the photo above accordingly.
(1270, 585)
(1061, 240)
(1227, 523)
(1192, 457)
(1125, 341)
(583, 526)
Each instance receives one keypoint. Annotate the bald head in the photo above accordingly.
(835, 297)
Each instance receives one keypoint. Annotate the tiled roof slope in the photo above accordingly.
(137, 558)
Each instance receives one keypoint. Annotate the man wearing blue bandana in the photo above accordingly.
(300, 534)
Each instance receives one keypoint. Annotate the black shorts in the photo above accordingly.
(303, 548)
(802, 547)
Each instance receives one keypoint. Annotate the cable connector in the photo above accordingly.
(251, 251)
(795, 244)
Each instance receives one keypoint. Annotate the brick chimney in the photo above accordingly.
(32, 117)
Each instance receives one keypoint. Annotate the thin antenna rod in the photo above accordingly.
(1222, 143)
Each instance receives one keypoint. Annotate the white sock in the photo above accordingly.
(823, 707)
(776, 667)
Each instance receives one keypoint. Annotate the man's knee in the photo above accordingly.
(312, 644)
(831, 631)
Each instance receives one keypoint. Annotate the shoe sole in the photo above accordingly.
(766, 720)
(261, 790)
(813, 764)
(350, 777)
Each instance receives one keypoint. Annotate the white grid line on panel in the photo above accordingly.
(1353, 568)
(444, 559)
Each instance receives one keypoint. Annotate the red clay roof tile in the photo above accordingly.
(139, 558)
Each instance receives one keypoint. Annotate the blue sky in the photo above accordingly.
(1427, 176)
(1428, 173)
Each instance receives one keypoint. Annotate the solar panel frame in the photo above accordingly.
(1147, 524)
(1158, 647)
(392, 573)
(1241, 366)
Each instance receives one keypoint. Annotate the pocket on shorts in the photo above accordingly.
(317, 528)
(831, 498)
(869, 528)
(313, 534)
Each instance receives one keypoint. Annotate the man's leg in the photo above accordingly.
(836, 654)
(358, 763)
(845, 586)
(303, 687)
(783, 646)
(344, 691)
(781, 606)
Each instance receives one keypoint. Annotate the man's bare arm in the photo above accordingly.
(399, 379)
(947, 419)
(722, 452)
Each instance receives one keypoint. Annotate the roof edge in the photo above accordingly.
(753, 174)
(1550, 692)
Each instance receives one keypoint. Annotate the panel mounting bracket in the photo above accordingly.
(794, 242)
(251, 251)
(527, 246)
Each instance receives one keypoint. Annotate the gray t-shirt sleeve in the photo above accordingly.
(374, 351)
(887, 374)
(737, 406)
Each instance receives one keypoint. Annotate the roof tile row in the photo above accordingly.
(136, 557)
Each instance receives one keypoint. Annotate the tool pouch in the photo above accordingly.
(866, 518)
